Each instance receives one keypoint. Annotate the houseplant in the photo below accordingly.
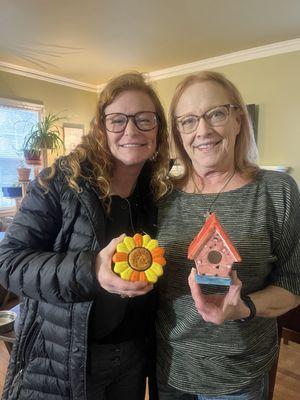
(43, 136)
(23, 171)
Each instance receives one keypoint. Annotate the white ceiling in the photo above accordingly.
(93, 40)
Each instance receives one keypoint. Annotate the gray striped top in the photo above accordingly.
(262, 219)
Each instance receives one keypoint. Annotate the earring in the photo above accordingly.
(154, 156)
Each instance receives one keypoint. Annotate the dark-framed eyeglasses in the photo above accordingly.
(143, 120)
(216, 116)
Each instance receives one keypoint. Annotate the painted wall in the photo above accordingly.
(274, 84)
(78, 105)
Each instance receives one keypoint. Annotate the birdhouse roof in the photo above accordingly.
(211, 226)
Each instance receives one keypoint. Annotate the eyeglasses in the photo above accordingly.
(216, 116)
(117, 122)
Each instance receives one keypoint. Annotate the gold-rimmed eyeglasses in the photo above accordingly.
(216, 116)
(143, 120)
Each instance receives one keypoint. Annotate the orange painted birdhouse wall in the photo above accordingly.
(214, 249)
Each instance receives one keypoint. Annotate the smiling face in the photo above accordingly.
(209, 148)
(132, 147)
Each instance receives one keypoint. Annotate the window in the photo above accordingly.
(16, 120)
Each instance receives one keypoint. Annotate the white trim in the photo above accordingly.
(273, 49)
(21, 104)
(100, 87)
(44, 76)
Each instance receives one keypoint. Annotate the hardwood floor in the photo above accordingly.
(3, 364)
(288, 373)
(287, 380)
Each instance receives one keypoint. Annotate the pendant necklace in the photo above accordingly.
(208, 212)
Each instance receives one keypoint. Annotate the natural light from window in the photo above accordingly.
(16, 120)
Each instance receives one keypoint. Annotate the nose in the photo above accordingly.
(203, 127)
(131, 128)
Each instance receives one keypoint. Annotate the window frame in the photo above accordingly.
(24, 105)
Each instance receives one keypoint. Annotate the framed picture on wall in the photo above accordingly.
(72, 136)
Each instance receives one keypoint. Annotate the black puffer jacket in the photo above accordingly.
(47, 258)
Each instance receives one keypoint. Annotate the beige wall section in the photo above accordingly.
(78, 105)
(274, 84)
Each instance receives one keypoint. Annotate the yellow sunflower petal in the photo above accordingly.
(152, 244)
(129, 242)
(120, 266)
(146, 240)
(127, 273)
(157, 269)
(152, 277)
(122, 248)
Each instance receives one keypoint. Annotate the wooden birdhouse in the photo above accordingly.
(213, 253)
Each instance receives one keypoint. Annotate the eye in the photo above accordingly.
(217, 114)
(117, 120)
(188, 121)
(143, 120)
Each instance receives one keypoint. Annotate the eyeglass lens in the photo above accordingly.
(144, 121)
(217, 116)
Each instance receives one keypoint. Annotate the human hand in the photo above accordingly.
(218, 308)
(112, 282)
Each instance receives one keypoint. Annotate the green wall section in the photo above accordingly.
(77, 105)
(273, 83)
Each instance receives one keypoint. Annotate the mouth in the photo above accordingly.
(132, 145)
(208, 145)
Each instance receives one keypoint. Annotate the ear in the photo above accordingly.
(238, 123)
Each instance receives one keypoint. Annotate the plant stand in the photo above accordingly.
(44, 158)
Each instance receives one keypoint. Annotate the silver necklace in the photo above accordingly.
(209, 208)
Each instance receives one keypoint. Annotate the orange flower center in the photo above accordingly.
(140, 259)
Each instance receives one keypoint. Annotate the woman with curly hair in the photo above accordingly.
(84, 332)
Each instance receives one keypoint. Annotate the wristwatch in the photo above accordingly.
(249, 303)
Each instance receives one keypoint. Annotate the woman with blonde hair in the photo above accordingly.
(84, 332)
(216, 343)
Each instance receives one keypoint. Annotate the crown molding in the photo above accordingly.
(44, 76)
(273, 49)
(255, 53)
(100, 87)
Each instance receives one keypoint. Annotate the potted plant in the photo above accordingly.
(43, 136)
(23, 171)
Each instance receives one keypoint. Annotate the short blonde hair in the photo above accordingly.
(245, 152)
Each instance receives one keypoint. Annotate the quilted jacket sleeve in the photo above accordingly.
(28, 265)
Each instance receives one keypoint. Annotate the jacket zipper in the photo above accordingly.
(24, 357)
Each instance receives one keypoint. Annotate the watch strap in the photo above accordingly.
(249, 303)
